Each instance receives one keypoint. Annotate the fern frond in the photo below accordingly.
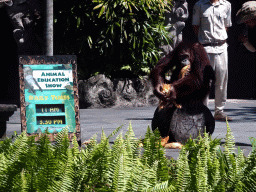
(118, 164)
(80, 170)
(253, 143)
(62, 143)
(154, 151)
(183, 172)
(100, 159)
(131, 142)
(229, 147)
(24, 184)
(46, 164)
(27, 165)
(92, 144)
(150, 144)
(64, 176)
(240, 162)
(132, 145)
(203, 162)
(75, 147)
(249, 172)
(214, 173)
(201, 171)
(142, 177)
(115, 132)
(5, 145)
(234, 171)
(161, 187)
(13, 162)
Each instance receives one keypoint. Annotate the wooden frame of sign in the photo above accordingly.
(49, 95)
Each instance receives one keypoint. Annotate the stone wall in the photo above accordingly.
(102, 92)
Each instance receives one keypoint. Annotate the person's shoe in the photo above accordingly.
(220, 116)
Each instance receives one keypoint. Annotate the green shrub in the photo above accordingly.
(27, 165)
(110, 35)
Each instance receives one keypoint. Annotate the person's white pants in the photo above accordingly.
(219, 63)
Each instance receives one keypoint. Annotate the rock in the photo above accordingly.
(96, 92)
(6, 111)
(124, 89)
(181, 124)
(190, 121)
(102, 92)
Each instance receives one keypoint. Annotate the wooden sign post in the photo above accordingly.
(49, 95)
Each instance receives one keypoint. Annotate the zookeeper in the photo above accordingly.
(211, 20)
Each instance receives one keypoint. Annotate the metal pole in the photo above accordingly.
(49, 27)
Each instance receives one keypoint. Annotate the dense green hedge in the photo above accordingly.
(27, 165)
(109, 35)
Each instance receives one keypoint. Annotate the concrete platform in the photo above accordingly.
(92, 121)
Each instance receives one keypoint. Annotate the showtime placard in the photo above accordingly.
(49, 98)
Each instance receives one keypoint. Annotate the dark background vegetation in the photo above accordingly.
(110, 37)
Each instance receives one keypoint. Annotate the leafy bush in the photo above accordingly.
(202, 166)
(110, 35)
(27, 165)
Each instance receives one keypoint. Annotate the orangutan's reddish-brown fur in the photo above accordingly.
(193, 86)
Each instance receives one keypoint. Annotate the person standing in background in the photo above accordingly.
(211, 20)
(247, 15)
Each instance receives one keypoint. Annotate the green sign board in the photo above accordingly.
(49, 97)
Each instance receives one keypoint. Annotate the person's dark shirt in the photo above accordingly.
(251, 36)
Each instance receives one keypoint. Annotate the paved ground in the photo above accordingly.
(243, 125)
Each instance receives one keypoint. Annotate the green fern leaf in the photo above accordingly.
(14, 162)
(75, 148)
(65, 173)
(161, 187)
(229, 147)
(46, 164)
(183, 172)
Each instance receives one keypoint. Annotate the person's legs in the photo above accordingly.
(221, 74)
(211, 57)
(219, 63)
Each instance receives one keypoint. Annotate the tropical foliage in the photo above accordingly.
(110, 35)
(130, 164)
